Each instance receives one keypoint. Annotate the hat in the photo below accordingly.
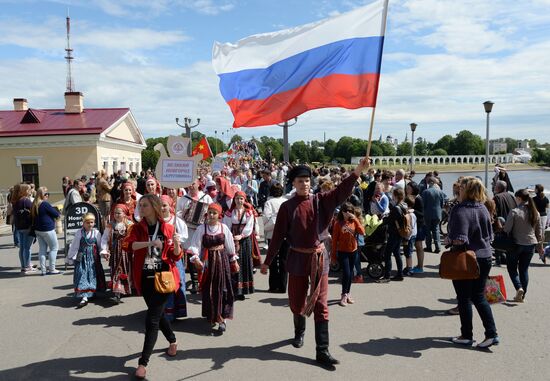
(217, 207)
(299, 171)
(210, 183)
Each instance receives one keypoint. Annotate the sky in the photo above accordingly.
(442, 59)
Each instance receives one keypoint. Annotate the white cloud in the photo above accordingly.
(51, 36)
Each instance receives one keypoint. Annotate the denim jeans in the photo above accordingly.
(520, 258)
(15, 236)
(347, 262)
(25, 243)
(47, 244)
(409, 247)
(393, 247)
(432, 233)
(472, 291)
(358, 271)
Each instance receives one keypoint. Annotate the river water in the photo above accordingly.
(519, 179)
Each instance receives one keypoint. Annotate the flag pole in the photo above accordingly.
(383, 32)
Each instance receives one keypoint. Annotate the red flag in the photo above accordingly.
(204, 148)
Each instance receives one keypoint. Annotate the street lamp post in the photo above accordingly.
(488, 105)
(188, 125)
(413, 128)
(286, 148)
(216, 142)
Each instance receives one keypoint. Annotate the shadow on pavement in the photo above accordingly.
(400, 347)
(63, 302)
(11, 272)
(134, 322)
(275, 302)
(197, 325)
(448, 301)
(409, 312)
(73, 368)
(220, 356)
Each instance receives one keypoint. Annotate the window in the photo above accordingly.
(29, 174)
(115, 166)
(106, 166)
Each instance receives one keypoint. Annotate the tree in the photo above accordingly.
(299, 151)
(466, 143)
(387, 149)
(533, 143)
(439, 152)
(404, 149)
(216, 145)
(343, 148)
(375, 149)
(541, 156)
(421, 147)
(444, 143)
(149, 159)
(236, 138)
(511, 144)
(330, 147)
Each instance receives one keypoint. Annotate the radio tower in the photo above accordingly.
(69, 57)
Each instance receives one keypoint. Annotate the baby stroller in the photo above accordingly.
(373, 252)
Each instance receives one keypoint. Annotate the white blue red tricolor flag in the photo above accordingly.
(273, 77)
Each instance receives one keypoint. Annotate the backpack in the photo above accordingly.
(22, 218)
(405, 229)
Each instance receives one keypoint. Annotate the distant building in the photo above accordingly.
(42, 146)
(393, 141)
(498, 147)
(524, 145)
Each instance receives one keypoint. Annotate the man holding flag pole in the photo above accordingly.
(273, 77)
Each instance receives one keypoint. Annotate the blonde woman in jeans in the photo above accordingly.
(523, 224)
(470, 227)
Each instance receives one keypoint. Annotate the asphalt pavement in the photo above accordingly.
(396, 331)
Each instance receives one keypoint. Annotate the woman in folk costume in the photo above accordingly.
(111, 248)
(240, 220)
(225, 193)
(213, 251)
(152, 186)
(130, 198)
(155, 247)
(176, 306)
(89, 276)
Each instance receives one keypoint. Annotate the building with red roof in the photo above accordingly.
(43, 145)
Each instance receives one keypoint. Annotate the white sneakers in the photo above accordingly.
(519, 295)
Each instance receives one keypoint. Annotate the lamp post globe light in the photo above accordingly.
(413, 129)
(216, 142)
(488, 106)
(188, 125)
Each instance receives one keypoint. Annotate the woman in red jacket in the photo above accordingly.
(154, 248)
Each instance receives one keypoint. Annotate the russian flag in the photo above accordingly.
(273, 77)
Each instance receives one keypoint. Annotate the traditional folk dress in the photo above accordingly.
(242, 224)
(176, 305)
(215, 247)
(89, 276)
(119, 261)
(183, 207)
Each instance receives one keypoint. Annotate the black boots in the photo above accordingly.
(299, 331)
(323, 356)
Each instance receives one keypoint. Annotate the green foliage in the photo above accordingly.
(439, 152)
(511, 144)
(541, 156)
(421, 147)
(216, 145)
(466, 143)
(236, 138)
(404, 149)
(149, 159)
(444, 143)
(299, 151)
(330, 147)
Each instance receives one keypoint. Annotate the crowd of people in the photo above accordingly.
(313, 218)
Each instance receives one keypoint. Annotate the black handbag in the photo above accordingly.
(503, 242)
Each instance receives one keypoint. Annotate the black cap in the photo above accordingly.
(299, 171)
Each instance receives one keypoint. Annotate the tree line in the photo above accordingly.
(341, 151)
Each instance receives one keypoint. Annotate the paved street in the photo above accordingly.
(395, 331)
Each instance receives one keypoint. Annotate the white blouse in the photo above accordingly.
(248, 220)
(181, 228)
(196, 241)
(75, 244)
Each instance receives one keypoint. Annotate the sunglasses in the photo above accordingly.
(47, 194)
